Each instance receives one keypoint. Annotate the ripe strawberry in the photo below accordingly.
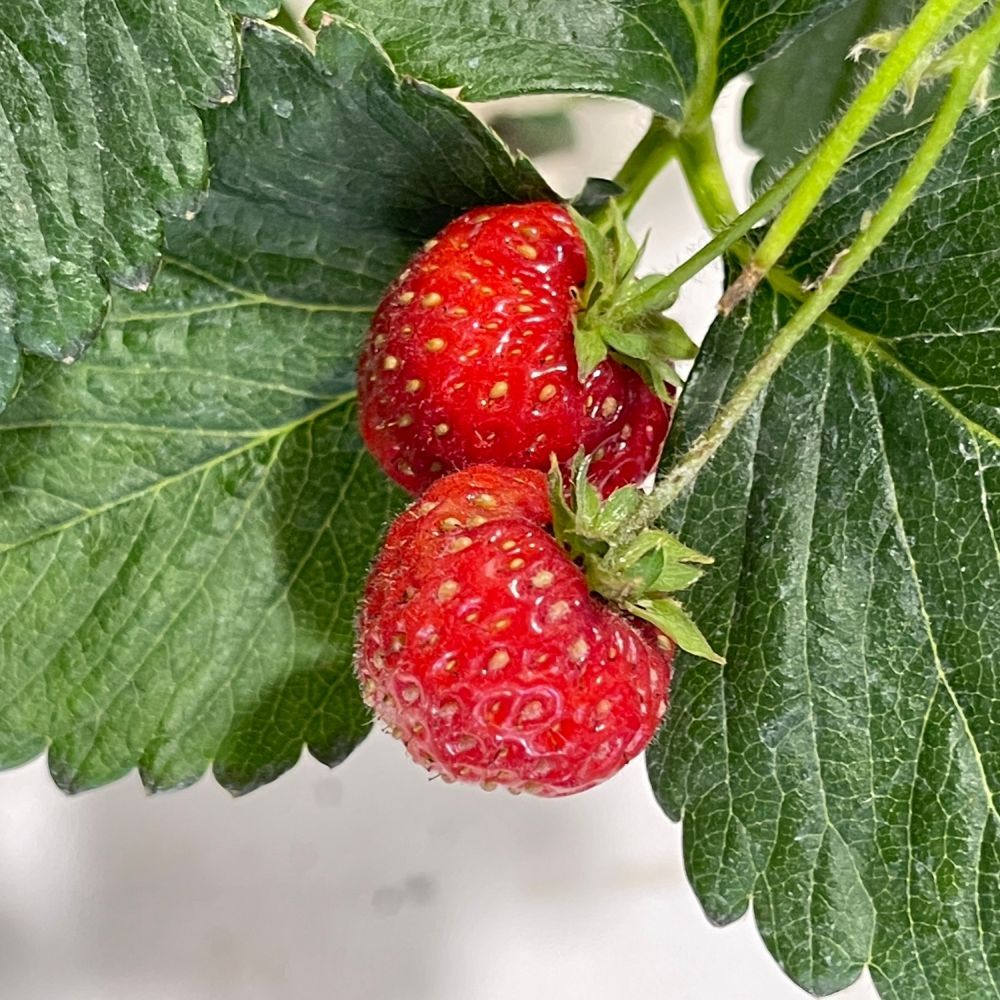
(483, 649)
(471, 357)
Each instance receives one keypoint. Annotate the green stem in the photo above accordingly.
(293, 22)
(664, 293)
(654, 151)
(942, 129)
(699, 157)
(935, 19)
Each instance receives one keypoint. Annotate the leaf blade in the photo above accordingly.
(847, 768)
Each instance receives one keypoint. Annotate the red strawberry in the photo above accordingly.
(471, 358)
(483, 649)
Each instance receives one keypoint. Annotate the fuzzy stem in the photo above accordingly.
(699, 156)
(654, 151)
(899, 200)
(664, 293)
(934, 20)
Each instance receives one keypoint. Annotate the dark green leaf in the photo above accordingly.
(843, 769)
(187, 515)
(99, 135)
(646, 50)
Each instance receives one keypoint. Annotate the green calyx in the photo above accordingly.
(636, 567)
(611, 321)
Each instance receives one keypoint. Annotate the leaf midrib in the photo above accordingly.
(260, 439)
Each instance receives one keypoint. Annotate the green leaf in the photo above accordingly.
(646, 50)
(186, 517)
(843, 769)
(99, 135)
(796, 96)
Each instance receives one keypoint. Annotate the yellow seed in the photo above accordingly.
(389, 362)
(450, 524)
(578, 649)
(498, 660)
(508, 545)
(406, 298)
(529, 232)
(527, 251)
(430, 244)
(458, 311)
(482, 217)
(517, 563)
(485, 500)
(486, 290)
(405, 420)
(405, 468)
(448, 590)
(626, 431)
(462, 542)
(501, 624)
(547, 393)
(543, 578)
(379, 340)
(499, 390)
(475, 521)
(558, 611)
(414, 385)
(603, 708)
(431, 299)
(492, 326)
(523, 308)
(532, 711)
(435, 344)
(441, 429)
(406, 330)
(609, 406)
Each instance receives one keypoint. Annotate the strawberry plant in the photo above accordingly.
(201, 212)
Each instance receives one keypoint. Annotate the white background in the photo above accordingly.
(371, 883)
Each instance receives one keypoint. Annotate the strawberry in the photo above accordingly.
(473, 355)
(483, 648)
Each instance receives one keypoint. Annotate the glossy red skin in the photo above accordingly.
(482, 649)
(470, 358)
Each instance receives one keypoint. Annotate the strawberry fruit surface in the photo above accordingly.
(471, 358)
(482, 648)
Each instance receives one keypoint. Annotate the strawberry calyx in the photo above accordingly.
(609, 321)
(636, 567)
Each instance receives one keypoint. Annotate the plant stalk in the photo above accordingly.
(664, 293)
(934, 20)
(655, 150)
(955, 102)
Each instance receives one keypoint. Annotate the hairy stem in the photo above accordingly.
(699, 156)
(654, 151)
(664, 293)
(935, 19)
(942, 129)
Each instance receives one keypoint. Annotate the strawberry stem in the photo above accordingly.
(935, 20)
(964, 81)
(664, 293)
(654, 151)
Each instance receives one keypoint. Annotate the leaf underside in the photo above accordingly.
(842, 770)
(186, 517)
